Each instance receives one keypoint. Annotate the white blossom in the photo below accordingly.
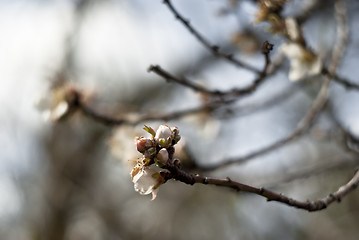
(54, 106)
(292, 29)
(163, 136)
(303, 63)
(146, 180)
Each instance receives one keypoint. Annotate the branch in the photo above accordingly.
(213, 48)
(319, 102)
(346, 83)
(77, 103)
(342, 29)
(176, 173)
(314, 171)
(266, 48)
(301, 128)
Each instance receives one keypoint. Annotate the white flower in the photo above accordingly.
(163, 136)
(303, 63)
(146, 180)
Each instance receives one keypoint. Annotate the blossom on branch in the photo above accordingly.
(155, 151)
(303, 62)
(146, 180)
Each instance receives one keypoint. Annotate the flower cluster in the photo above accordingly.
(157, 152)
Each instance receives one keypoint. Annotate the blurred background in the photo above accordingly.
(70, 179)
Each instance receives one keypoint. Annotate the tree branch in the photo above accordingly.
(340, 80)
(266, 48)
(175, 172)
(301, 128)
(213, 48)
(319, 102)
(87, 111)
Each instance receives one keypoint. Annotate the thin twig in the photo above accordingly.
(213, 48)
(345, 82)
(301, 128)
(313, 171)
(112, 121)
(266, 48)
(347, 140)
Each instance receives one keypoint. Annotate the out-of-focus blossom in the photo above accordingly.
(175, 134)
(246, 41)
(146, 180)
(303, 62)
(268, 9)
(292, 29)
(53, 106)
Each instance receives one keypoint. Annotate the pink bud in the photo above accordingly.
(143, 144)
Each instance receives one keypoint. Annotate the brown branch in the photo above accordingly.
(78, 103)
(340, 80)
(266, 48)
(176, 173)
(301, 128)
(342, 29)
(347, 140)
(76, 99)
(213, 48)
(251, 108)
(314, 171)
(319, 102)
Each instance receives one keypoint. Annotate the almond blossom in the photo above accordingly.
(303, 62)
(146, 180)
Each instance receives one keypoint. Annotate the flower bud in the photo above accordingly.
(175, 134)
(175, 131)
(162, 157)
(163, 136)
(177, 138)
(150, 153)
(143, 144)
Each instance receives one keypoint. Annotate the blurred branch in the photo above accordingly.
(77, 102)
(213, 48)
(342, 30)
(112, 121)
(348, 141)
(314, 171)
(302, 127)
(318, 103)
(266, 48)
(254, 107)
(346, 83)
